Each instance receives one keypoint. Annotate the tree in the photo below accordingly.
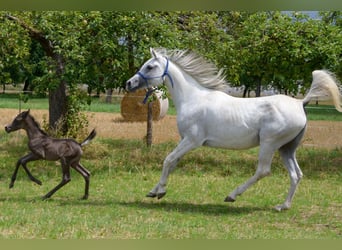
(279, 49)
(13, 55)
(55, 51)
(56, 61)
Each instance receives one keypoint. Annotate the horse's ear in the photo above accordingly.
(153, 53)
(26, 113)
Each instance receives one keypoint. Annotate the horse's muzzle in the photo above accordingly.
(8, 129)
(133, 83)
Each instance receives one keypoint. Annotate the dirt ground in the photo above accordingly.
(322, 134)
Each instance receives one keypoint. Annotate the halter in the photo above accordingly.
(166, 73)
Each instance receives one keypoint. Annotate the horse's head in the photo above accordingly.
(151, 74)
(18, 122)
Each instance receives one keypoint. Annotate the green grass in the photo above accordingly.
(123, 171)
(193, 209)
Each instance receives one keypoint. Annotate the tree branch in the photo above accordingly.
(36, 35)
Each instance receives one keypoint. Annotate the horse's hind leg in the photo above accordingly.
(86, 175)
(65, 180)
(288, 154)
(263, 169)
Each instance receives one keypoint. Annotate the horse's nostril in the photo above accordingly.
(128, 85)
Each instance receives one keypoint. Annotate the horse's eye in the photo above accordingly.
(150, 67)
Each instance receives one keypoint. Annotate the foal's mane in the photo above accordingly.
(205, 72)
(37, 124)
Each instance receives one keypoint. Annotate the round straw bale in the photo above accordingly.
(133, 109)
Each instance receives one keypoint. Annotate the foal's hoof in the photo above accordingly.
(229, 199)
(85, 197)
(11, 185)
(38, 182)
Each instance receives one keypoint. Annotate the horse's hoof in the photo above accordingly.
(161, 195)
(280, 208)
(151, 195)
(229, 199)
(11, 185)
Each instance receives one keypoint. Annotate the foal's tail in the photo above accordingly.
(324, 86)
(89, 138)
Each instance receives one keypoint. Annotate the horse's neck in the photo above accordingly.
(183, 87)
(32, 129)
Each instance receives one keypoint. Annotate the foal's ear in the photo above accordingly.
(153, 53)
(26, 113)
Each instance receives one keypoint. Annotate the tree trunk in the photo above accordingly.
(58, 108)
(109, 94)
(57, 96)
(258, 87)
(26, 86)
(149, 124)
(130, 47)
(245, 91)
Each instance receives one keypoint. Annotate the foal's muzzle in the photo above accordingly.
(8, 129)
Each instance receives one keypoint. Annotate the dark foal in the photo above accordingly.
(43, 147)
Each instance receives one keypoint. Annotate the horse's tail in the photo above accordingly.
(324, 86)
(89, 138)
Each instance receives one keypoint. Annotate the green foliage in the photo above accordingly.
(256, 50)
(75, 119)
(279, 49)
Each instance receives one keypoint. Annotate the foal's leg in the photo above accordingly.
(23, 161)
(264, 168)
(86, 175)
(65, 179)
(169, 164)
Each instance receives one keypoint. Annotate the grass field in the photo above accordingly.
(192, 209)
(124, 170)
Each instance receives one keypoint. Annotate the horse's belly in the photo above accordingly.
(238, 141)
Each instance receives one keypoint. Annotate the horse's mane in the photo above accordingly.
(205, 72)
(37, 124)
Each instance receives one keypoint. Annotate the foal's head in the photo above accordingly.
(18, 122)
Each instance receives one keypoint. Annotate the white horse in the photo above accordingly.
(206, 116)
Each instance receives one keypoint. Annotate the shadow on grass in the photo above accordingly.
(164, 206)
(186, 207)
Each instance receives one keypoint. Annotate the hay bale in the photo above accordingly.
(133, 109)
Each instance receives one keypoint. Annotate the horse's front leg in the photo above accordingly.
(23, 161)
(169, 164)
